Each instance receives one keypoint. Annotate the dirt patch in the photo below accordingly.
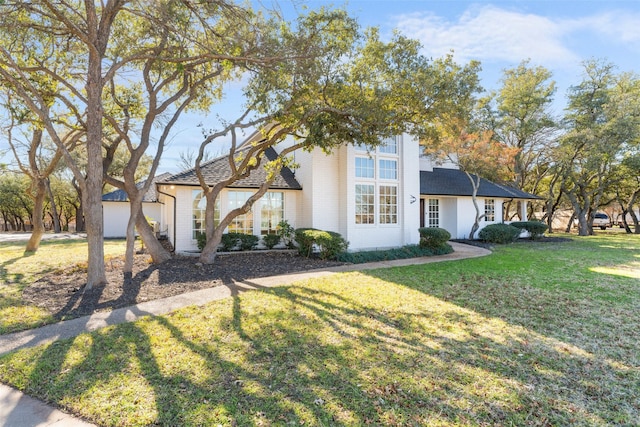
(63, 292)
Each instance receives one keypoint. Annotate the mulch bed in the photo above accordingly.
(63, 293)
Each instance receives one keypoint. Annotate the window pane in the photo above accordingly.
(365, 204)
(364, 167)
(388, 169)
(198, 208)
(434, 213)
(389, 146)
(489, 209)
(241, 223)
(272, 212)
(388, 204)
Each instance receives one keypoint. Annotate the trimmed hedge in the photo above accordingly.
(245, 242)
(270, 240)
(499, 233)
(433, 237)
(330, 243)
(409, 251)
(536, 229)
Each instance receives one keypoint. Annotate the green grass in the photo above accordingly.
(534, 334)
(18, 270)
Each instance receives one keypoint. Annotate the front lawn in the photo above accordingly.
(534, 334)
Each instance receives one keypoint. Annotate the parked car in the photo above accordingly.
(601, 220)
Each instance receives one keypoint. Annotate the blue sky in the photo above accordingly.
(557, 34)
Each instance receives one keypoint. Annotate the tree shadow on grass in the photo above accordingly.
(328, 356)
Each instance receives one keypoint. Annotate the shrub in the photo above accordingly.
(499, 233)
(286, 233)
(536, 229)
(409, 251)
(433, 237)
(201, 238)
(270, 240)
(244, 242)
(330, 243)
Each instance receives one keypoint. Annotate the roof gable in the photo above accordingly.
(218, 169)
(454, 182)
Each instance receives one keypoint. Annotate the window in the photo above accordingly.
(388, 169)
(389, 146)
(272, 212)
(364, 167)
(433, 215)
(241, 223)
(489, 209)
(199, 206)
(365, 204)
(388, 204)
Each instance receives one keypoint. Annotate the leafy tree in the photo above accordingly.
(477, 154)
(16, 207)
(602, 124)
(338, 87)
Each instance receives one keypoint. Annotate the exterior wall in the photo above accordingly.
(183, 240)
(116, 217)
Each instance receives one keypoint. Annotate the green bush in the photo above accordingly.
(270, 240)
(536, 229)
(201, 238)
(330, 243)
(244, 242)
(433, 237)
(499, 233)
(286, 233)
(409, 251)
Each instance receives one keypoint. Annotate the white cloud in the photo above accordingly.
(492, 34)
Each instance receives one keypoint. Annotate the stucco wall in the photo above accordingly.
(116, 216)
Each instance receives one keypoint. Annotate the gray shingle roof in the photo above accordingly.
(218, 169)
(454, 182)
(121, 196)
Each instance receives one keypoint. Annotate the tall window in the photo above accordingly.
(241, 223)
(198, 207)
(272, 212)
(388, 204)
(365, 208)
(389, 146)
(489, 209)
(388, 169)
(433, 215)
(364, 167)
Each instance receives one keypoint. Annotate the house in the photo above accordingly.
(115, 209)
(374, 197)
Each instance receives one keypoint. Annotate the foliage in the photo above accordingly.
(286, 233)
(270, 240)
(536, 229)
(409, 251)
(330, 244)
(433, 237)
(484, 341)
(499, 233)
(241, 241)
(201, 240)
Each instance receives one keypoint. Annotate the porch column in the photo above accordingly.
(523, 210)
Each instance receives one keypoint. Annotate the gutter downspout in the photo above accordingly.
(174, 215)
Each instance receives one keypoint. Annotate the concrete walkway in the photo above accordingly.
(16, 409)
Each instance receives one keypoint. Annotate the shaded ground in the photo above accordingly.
(63, 293)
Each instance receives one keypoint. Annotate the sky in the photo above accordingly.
(557, 34)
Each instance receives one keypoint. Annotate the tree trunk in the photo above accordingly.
(158, 253)
(209, 252)
(37, 221)
(54, 208)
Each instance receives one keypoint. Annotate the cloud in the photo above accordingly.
(493, 34)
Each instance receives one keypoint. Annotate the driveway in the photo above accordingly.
(15, 237)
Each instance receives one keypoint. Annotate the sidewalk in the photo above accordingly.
(16, 409)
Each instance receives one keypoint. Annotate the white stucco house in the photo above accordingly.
(375, 198)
